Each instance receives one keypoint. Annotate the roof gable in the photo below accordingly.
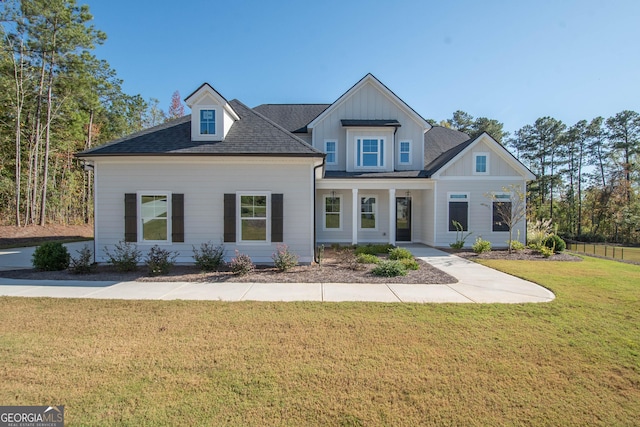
(456, 152)
(370, 79)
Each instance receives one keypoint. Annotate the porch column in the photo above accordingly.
(354, 216)
(392, 216)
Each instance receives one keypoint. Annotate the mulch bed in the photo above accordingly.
(523, 255)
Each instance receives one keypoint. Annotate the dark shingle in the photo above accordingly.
(292, 117)
(441, 145)
(253, 134)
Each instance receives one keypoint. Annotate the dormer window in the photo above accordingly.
(207, 122)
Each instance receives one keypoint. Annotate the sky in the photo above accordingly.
(513, 61)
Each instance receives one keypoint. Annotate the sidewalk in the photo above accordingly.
(476, 283)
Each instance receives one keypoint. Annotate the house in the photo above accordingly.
(366, 168)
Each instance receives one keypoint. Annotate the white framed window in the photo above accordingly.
(254, 213)
(480, 163)
(458, 210)
(369, 152)
(155, 217)
(331, 149)
(404, 156)
(207, 122)
(368, 213)
(332, 212)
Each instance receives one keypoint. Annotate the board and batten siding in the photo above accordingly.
(204, 182)
(465, 166)
(369, 103)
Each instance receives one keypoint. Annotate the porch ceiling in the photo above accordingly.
(374, 184)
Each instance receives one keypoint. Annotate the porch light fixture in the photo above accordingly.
(408, 194)
(333, 196)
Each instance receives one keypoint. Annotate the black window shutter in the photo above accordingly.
(130, 218)
(177, 217)
(229, 217)
(277, 215)
(458, 212)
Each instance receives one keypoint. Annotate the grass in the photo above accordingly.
(38, 242)
(626, 253)
(570, 362)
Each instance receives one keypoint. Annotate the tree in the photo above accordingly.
(154, 115)
(509, 212)
(176, 109)
(624, 135)
(490, 126)
(461, 121)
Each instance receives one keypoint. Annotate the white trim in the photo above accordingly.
(195, 123)
(324, 212)
(375, 211)
(239, 240)
(400, 152)
(140, 219)
(475, 163)
(335, 152)
(381, 153)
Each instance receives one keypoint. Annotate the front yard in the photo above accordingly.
(573, 361)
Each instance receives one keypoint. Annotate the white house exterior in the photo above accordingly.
(366, 168)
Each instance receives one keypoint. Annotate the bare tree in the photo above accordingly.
(509, 211)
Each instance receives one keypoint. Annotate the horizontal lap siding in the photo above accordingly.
(204, 186)
(464, 166)
(480, 214)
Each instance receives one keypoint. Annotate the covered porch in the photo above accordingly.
(356, 210)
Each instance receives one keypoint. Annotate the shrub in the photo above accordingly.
(545, 251)
(125, 256)
(241, 265)
(372, 249)
(209, 257)
(368, 259)
(556, 243)
(284, 259)
(516, 245)
(50, 256)
(481, 246)
(400, 253)
(159, 261)
(84, 263)
(410, 263)
(390, 268)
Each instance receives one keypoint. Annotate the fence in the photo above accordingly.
(616, 252)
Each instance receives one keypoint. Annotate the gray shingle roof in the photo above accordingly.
(441, 145)
(253, 134)
(292, 117)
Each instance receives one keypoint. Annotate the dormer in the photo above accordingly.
(211, 114)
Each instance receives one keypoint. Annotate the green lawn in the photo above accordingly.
(575, 361)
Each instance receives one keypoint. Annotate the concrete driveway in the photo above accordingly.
(476, 283)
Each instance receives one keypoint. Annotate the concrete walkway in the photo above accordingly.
(476, 283)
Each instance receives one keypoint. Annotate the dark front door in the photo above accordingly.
(403, 219)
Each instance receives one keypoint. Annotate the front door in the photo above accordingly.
(403, 219)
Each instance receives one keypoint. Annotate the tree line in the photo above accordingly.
(587, 173)
(56, 98)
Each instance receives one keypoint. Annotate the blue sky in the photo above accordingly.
(513, 61)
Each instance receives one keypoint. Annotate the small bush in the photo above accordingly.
(545, 251)
(84, 263)
(160, 261)
(368, 259)
(125, 256)
(516, 245)
(400, 253)
(372, 249)
(410, 263)
(284, 259)
(537, 232)
(209, 257)
(241, 265)
(556, 243)
(390, 268)
(481, 246)
(50, 256)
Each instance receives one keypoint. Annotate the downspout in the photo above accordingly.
(315, 219)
